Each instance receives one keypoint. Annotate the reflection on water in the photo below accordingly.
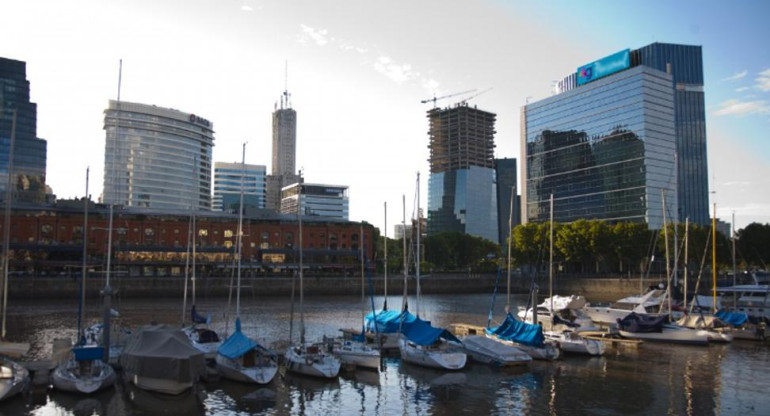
(653, 379)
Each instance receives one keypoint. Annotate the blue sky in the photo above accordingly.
(357, 73)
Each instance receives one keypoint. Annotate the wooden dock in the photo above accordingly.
(610, 340)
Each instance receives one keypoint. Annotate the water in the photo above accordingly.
(654, 379)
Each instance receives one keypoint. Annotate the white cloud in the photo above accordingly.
(736, 76)
(396, 72)
(246, 8)
(318, 36)
(741, 89)
(742, 108)
(763, 81)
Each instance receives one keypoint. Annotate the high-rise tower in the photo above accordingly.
(157, 157)
(30, 152)
(462, 195)
(284, 152)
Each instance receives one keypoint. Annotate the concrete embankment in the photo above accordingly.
(594, 289)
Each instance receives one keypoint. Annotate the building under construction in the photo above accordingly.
(462, 194)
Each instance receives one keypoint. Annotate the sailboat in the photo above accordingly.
(84, 371)
(202, 337)
(241, 358)
(13, 377)
(658, 328)
(563, 331)
(385, 323)
(310, 360)
(356, 351)
(420, 343)
(527, 337)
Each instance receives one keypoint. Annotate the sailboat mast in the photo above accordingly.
(714, 257)
(417, 247)
(195, 232)
(239, 239)
(7, 221)
(735, 270)
(550, 262)
(385, 244)
(301, 284)
(665, 237)
(82, 305)
(107, 291)
(361, 254)
(187, 266)
(404, 303)
(686, 250)
(510, 241)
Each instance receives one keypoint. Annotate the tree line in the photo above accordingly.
(584, 246)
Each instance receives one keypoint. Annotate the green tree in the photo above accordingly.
(630, 243)
(754, 244)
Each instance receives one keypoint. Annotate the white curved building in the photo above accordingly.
(157, 157)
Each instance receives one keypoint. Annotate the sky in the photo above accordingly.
(358, 71)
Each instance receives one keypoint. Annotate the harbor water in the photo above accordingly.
(652, 379)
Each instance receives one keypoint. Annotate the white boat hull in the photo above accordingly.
(673, 334)
(575, 344)
(235, 370)
(209, 349)
(489, 351)
(434, 357)
(13, 378)
(360, 355)
(70, 376)
(311, 364)
(548, 352)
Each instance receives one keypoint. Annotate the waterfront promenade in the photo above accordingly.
(594, 289)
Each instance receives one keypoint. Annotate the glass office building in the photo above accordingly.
(604, 149)
(228, 178)
(505, 173)
(157, 157)
(321, 200)
(29, 151)
(462, 193)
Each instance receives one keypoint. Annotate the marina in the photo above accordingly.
(646, 378)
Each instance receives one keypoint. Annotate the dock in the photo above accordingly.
(609, 339)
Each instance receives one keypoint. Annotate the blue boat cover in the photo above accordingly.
(198, 319)
(236, 344)
(516, 331)
(388, 321)
(732, 318)
(422, 333)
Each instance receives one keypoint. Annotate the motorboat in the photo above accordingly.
(161, 359)
(527, 337)
(84, 372)
(241, 358)
(562, 318)
(311, 360)
(489, 351)
(657, 328)
(649, 303)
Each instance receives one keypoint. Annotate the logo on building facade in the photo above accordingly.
(199, 120)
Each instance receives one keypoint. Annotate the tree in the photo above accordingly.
(754, 244)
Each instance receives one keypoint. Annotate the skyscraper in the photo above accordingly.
(462, 195)
(603, 147)
(283, 170)
(29, 152)
(227, 186)
(684, 64)
(505, 172)
(157, 157)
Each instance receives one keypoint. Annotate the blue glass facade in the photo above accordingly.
(685, 64)
(463, 200)
(505, 173)
(462, 193)
(604, 150)
(227, 186)
(30, 152)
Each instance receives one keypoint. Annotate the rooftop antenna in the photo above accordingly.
(285, 96)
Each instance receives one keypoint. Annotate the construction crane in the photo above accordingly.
(465, 101)
(434, 99)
